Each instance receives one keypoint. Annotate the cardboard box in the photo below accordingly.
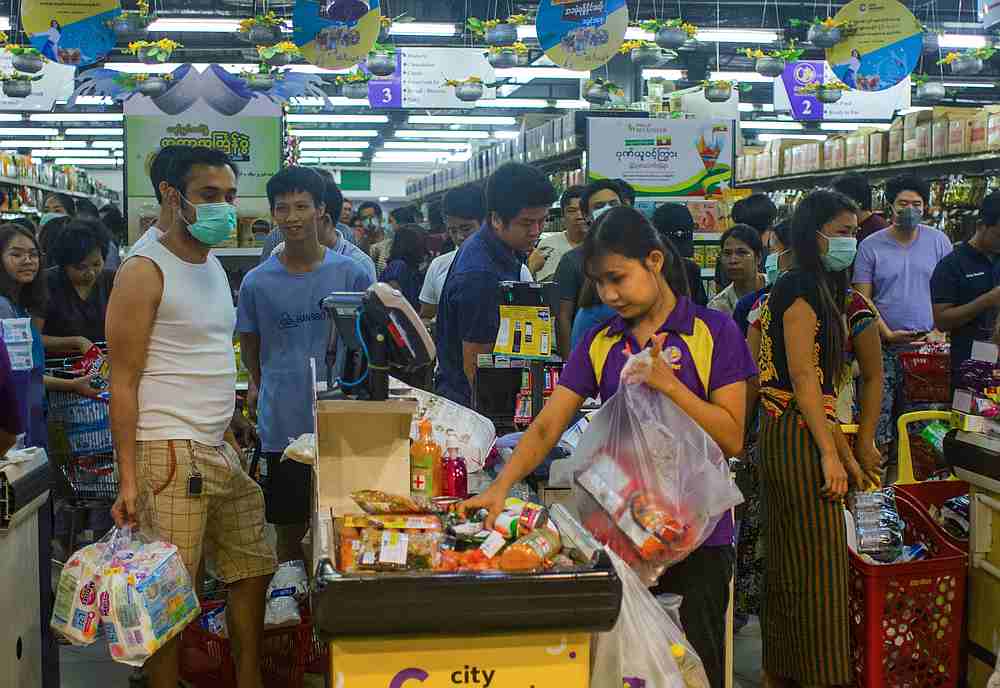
(834, 153)
(939, 137)
(910, 150)
(993, 132)
(922, 136)
(878, 146)
(814, 157)
(958, 135)
(897, 134)
(780, 163)
(857, 148)
(978, 126)
(763, 165)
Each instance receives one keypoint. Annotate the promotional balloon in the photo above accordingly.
(882, 44)
(581, 34)
(74, 33)
(335, 34)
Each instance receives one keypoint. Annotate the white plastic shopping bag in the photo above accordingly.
(645, 649)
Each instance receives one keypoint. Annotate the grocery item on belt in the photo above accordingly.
(531, 551)
(378, 502)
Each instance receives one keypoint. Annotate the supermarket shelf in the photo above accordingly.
(252, 252)
(44, 187)
(980, 163)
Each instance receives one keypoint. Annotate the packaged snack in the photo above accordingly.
(377, 502)
(396, 550)
(506, 524)
(146, 597)
(75, 614)
(214, 621)
(289, 584)
(530, 552)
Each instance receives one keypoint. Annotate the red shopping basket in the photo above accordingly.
(286, 654)
(926, 377)
(933, 494)
(907, 619)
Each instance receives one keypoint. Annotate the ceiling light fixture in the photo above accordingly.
(353, 154)
(506, 135)
(337, 119)
(11, 117)
(95, 131)
(635, 33)
(4, 23)
(334, 145)
(28, 131)
(967, 84)
(793, 126)
(422, 29)
(534, 104)
(426, 145)
(200, 25)
(525, 74)
(670, 74)
(89, 162)
(756, 107)
(41, 143)
(961, 40)
(485, 120)
(100, 144)
(440, 134)
(86, 117)
(852, 126)
(333, 133)
(59, 152)
(778, 137)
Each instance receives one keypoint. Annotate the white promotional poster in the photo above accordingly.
(56, 84)
(662, 157)
(791, 95)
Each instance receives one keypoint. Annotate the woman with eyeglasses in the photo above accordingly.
(741, 254)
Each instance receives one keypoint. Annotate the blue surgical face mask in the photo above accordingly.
(48, 217)
(771, 270)
(840, 253)
(215, 222)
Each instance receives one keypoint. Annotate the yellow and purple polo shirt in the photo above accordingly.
(705, 348)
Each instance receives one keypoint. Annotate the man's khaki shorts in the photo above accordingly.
(228, 514)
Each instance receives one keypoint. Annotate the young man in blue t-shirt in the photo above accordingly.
(281, 328)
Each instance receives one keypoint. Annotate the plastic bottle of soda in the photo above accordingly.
(425, 462)
(455, 474)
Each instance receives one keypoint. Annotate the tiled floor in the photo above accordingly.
(90, 667)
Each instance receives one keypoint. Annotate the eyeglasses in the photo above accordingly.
(24, 256)
(740, 253)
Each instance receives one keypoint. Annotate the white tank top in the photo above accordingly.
(188, 388)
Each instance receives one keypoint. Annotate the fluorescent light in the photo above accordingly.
(383, 199)
(410, 156)
(231, 67)
(88, 162)
(531, 73)
(88, 117)
(426, 145)
(4, 23)
(756, 107)
(777, 137)
(105, 144)
(352, 154)
(491, 120)
(334, 145)
(41, 143)
(440, 134)
(635, 33)
(59, 152)
(961, 40)
(915, 108)
(508, 135)
(338, 119)
(669, 74)
(28, 131)
(852, 126)
(534, 103)
(333, 133)
(422, 29)
(795, 126)
(967, 84)
(201, 25)
(742, 76)
(90, 100)
(95, 131)
(10, 117)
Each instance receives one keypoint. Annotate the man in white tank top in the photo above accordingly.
(170, 327)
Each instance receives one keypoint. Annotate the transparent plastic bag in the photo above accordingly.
(288, 586)
(651, 484)
(645, 648)
(146, 597)
(75, 614)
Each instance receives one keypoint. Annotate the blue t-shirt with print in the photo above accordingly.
(282, 308)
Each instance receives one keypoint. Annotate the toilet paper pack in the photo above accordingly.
(75, 612)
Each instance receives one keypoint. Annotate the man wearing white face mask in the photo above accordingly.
(170, 326)
(893, 269)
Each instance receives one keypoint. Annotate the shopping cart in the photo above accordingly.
(81, 448)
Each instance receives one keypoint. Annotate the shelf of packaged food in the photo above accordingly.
(707, 236)
(250, 252)
(45, 187)
(979, 163)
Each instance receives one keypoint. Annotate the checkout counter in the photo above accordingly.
(442, 628)
(975, 457)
